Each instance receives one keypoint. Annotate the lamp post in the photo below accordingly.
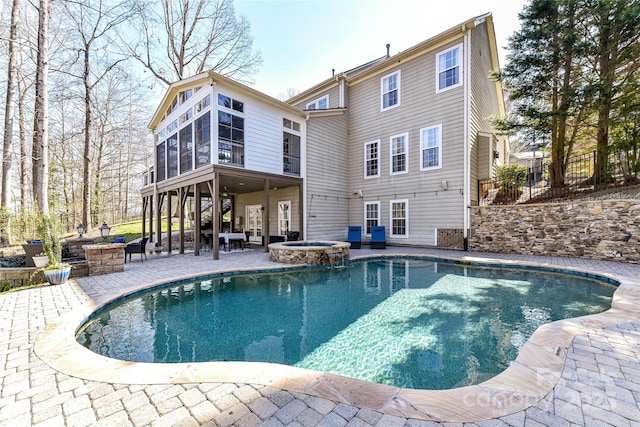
(80, 229)
(104, 231)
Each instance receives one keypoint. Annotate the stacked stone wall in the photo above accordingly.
(603, 229)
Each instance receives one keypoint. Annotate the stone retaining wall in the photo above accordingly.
(603, 229)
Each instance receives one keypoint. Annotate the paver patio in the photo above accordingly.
(599, 385)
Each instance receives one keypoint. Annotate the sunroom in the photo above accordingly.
(218, 140)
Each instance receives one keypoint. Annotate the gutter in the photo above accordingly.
(466, 185)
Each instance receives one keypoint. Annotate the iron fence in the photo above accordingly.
(580, 177)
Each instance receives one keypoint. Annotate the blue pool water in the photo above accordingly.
(408, 323)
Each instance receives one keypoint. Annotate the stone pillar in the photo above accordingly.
(105, 259)
(76, 245)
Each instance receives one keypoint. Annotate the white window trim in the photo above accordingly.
(281, 218)
(460, 66)
(406, 218)
(439, 127)
(406, 154)
(366, 145)
(377, 203)
(397, 104)
(317, 102)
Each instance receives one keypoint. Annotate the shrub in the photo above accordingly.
(512, 177)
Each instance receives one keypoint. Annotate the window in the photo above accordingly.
(186, 149)
(291, 154)
(290, 124)
(371, 157)
(227, 102)
(390, 91)
(202, 130)
(399, 218)
(448, 68)
(291, 147)
(284, 213)
(319, 104)
(161, 160)
(186, 116)
(173, 106)
(431, 147)
(172, 126)
(398, 153)
(184, 95)
(230, 139)
(371, 215)
(172, 156)
(200, 106)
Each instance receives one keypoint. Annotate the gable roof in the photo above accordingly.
(363, 71)
(209, 78)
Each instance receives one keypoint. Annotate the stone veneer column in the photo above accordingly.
(76, 245)
(104, 258)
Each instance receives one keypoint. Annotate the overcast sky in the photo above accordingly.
(303, 40)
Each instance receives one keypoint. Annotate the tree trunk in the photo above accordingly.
(7, 160)
(24, 190)
(86, 159)
(40, 151)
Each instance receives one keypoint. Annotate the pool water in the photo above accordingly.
(407, 323)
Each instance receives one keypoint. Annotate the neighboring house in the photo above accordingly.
(403, 140)
(400, 141)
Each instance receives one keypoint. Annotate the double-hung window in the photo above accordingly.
(448, 68)
(398, 153)
(319, 104)
(399, 218)
(371, 215)
(372, 159)
(390, 91)
(431, 147)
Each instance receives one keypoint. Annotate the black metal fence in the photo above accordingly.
(580, 177)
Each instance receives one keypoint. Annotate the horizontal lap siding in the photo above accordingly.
(430, 207)
(327, 189)
(483, 104)
(263, 132)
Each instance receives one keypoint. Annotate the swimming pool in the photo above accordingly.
(410, 323)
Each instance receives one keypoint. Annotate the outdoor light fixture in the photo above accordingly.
(80, 229)
(104, 231)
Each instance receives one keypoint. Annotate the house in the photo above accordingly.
(401, 141)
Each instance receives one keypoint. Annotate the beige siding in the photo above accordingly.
(333, 92)
(327, 188)
(281, 194)
(430, 207)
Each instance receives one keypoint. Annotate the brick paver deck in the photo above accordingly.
(600, 383)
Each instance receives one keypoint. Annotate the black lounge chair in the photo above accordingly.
(378, 239)
(355, 236)
(136, 248)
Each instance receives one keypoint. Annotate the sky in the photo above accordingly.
(303, 40)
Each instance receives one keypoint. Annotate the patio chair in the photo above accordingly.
(354, 236)
(119, 239)
(293, 236)
(136, 248)
(378, 239)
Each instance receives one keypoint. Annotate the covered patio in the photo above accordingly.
(258, 205)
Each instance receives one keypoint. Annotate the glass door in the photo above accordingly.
(254, 223)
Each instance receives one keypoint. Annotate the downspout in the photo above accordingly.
(466, 185)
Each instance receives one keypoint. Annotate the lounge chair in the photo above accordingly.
(378, 239)
(355, 236)
(136, 248)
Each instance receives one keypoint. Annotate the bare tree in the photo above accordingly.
(7, 160)
(40, 151)
(193, 36)
(93, 21)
